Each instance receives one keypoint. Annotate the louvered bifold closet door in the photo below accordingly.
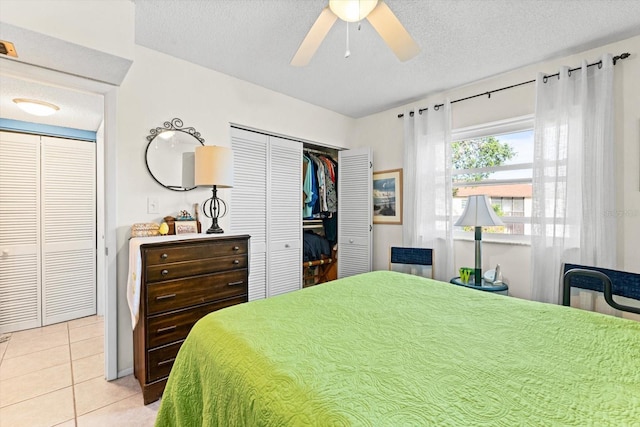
(19, 236)
(248, 203)
(68, 229)
(284, 216)
(355, 207)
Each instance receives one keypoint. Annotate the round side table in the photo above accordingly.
(501, 288)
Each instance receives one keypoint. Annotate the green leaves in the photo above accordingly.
(479, 153)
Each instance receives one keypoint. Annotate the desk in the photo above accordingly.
(502, 288)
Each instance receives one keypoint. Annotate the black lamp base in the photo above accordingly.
(214, 208)
(215, 228)
(478, 270)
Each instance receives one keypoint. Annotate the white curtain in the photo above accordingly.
(573, 176)
(427, 218)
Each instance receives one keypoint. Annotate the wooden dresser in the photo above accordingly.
(182, 281)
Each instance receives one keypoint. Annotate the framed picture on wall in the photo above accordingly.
(387, 197)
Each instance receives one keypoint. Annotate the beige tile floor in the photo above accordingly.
(53, 376)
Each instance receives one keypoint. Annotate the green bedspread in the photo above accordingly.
(388, 349)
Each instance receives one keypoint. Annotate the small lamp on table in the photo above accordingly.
(478, 213)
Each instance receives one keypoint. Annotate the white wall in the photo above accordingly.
(384, 132)
(89, 23)
(158, 88)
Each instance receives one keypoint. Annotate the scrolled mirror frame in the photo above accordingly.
(175, 125)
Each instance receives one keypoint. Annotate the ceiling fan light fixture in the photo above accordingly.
(381, 18)
(35, 107)
(352, 10)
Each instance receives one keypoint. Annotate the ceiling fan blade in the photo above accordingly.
(392, 32)
(314, 37)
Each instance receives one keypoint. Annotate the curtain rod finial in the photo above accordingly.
(621, 56)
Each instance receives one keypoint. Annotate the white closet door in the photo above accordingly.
(19, 234)
(68, 229)
(284, 216)
(355, 209)
(248, 203)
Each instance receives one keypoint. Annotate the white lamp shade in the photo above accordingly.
(478, 212)
(352, 10)
(214, 166)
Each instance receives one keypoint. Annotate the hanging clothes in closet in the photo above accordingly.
(320, 196)
(320, 184)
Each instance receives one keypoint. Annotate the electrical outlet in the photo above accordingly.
(152, 205)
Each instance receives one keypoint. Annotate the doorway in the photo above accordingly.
(76, 90)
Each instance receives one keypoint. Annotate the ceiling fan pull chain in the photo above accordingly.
(348, 52)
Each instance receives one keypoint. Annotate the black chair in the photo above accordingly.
(609, 282)
(402, 259)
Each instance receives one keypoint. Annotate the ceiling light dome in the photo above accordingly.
(352, 10)
(35, 107)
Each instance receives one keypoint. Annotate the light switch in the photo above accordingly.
(152, 205)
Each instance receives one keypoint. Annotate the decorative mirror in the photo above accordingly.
(170, 155)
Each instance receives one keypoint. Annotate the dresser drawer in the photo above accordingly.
(160, 361)
(174, 326)
(178, 270)
(176, 294)
(170, 254)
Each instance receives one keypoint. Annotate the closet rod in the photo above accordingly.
(311, 150)
(488, 93)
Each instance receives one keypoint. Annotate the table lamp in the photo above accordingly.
(478, 213)
(214, 167)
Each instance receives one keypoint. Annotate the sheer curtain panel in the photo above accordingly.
(573, 175)
(427, 219)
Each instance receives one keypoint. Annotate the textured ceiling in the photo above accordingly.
(78, 110)
(461, 41)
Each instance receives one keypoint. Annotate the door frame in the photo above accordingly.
(105, 191)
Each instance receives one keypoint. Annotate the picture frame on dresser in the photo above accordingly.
(186, 227)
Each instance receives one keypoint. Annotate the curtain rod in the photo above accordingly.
(488, 93)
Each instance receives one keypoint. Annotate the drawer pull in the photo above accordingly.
(167, 329)
(166, 362)
(239, 282)
(164, 256)
(286, 245)
(164, 272)
(236, 248)
(235, 261)
(163, 297)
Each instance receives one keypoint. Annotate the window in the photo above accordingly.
(496, 159)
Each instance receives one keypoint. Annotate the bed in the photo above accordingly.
(390, 349)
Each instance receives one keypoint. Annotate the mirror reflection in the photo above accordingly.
(170, 155)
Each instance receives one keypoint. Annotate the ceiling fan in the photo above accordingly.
(376, 12)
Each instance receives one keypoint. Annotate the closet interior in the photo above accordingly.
(319, 214)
